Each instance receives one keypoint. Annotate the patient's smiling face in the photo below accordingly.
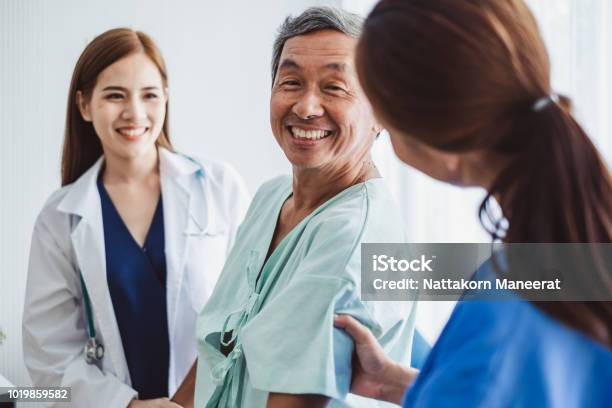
(319, 115)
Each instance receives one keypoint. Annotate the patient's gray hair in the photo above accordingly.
(314, 19)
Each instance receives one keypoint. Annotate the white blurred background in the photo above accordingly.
(218, 56)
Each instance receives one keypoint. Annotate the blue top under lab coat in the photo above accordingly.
(137, 283)
(509, 353)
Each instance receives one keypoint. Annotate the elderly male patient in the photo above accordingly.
(266, 336)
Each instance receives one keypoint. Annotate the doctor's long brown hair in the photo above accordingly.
(82, 146)
(464, 74)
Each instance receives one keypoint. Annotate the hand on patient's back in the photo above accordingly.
(154, 403)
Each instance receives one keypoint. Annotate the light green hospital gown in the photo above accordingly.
(282, 322)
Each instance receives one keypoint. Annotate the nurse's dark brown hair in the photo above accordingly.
(460, 75)
(81, 144)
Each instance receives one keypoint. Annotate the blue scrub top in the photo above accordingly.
(136, 279)
(509, 353)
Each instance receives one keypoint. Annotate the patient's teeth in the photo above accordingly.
(309, 134)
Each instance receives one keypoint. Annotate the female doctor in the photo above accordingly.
(125, 254)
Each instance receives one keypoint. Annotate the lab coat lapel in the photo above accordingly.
(181, 218)
(83, 202)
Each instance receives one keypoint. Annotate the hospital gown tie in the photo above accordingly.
(228, 374)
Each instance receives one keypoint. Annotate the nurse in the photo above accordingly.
(266, 336)
(464, 89)
(127, 252)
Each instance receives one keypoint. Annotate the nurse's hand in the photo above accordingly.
(154, 403)
(374, 374)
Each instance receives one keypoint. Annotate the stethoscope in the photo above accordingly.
(94, 350)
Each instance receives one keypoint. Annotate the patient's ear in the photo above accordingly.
(377, 128)
(83, 105)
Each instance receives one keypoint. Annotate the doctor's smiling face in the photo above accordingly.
(127, 107)
(319, 115)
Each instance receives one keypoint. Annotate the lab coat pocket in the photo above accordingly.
(206, 257)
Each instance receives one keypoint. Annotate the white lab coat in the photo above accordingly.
(204, 202)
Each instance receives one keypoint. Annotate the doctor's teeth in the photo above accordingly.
(133, 131)
(309, 134)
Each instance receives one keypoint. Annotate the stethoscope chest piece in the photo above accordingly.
(94, 351)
